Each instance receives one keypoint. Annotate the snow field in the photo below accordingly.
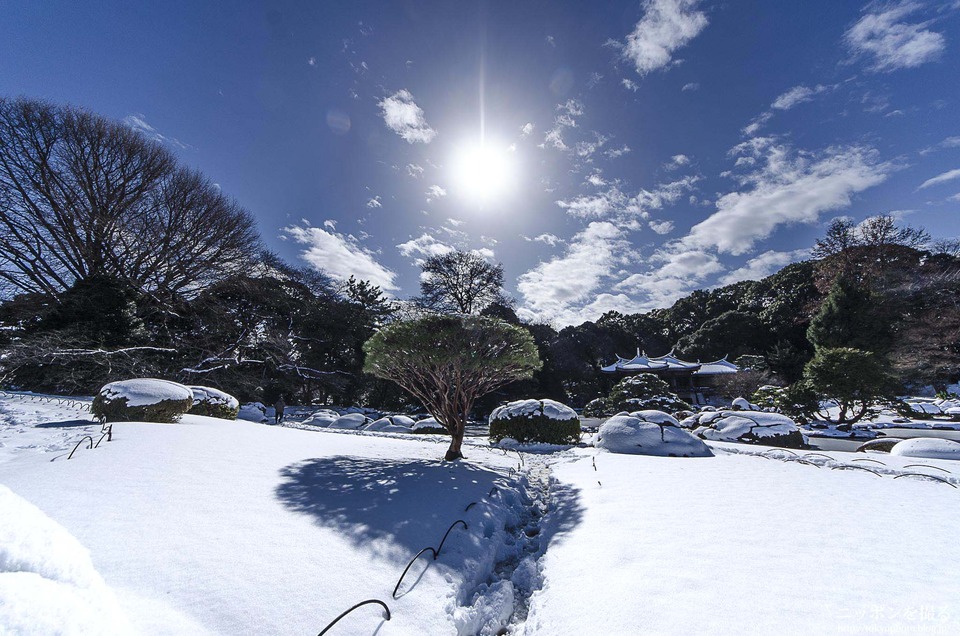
(238, 528)
(740, 545)
(36, 424)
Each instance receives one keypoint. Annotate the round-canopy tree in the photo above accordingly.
(448, 361)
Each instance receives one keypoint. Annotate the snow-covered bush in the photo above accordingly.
(392, 424)
(214, 403)
(770, 429)
(644, 391)
(597, 408)
(253, 412)
(741, 404)
(323, 417)
(637, 436)
(429, 426)
(797, 401)
(351, 421)
(928, 448)
(142, 400)
(543, 421)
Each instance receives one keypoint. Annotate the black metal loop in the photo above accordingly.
(819, 455)
(934, 477)
(927, 466)
(849, 466)
(84, 438)
(412, 561)
(865, 459)
(470, 505)
(361, 604)
(447, 534)
(779, 450)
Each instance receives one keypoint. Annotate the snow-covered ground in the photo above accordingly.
(233, 527)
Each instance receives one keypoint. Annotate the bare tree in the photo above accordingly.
(460, 282)
(82, 196)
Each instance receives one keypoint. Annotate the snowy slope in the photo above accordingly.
(738, 544)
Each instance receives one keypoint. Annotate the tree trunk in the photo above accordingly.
(456, 441)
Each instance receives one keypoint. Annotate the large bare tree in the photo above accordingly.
(82, 196)
(460, 282)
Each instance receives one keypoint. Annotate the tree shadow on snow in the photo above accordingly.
(67, 424)
(411, 503)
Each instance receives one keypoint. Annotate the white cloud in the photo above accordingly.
(526, 129)
(680, 271)
(424, 246)
(312, 61)
(549, 239)
(692, 86)
(614, 202)
(568, 111)
(763, 265)
(585, 149)
(340, 255)
(891, 43)
(402, 115)
(596, 179)
(661, 227)
(950, 175)
(955, 197)
(435, 192)
(374, 202)
(677, 161)
(414, 170)
(613, 153)
(666, 26)
(797, 95)
(789, 187)
(756, 123)
(553, 290)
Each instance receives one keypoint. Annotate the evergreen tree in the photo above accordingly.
(851, 316)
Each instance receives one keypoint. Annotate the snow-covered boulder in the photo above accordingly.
(142, 400)
(253, 412)
(48, 584)
(541, 421)
(926, 408)
(927, 447)
(635, 436)
(657, 417)
(391, 424)
(323, 417)
(743, 405)
(428, 426)
(883, 445)
(214, 403)
(771, 429)
(351, 421)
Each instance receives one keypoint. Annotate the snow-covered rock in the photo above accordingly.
(253, 412)
(145, 391)
(428, 425)
(928, 408)
(48, 584)
(323, 417)
(771, 429)
(213, 396)
(657, 417)
(744, 405)
(927, 447)
(391, 424)
(635, 436)
(352, 421)
(882, 445)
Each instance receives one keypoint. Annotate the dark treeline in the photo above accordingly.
(116, 262)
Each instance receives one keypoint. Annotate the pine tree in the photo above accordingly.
(851, 316)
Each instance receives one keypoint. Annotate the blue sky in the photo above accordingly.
(613, 155)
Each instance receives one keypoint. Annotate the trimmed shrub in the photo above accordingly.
(429, 426)
(797, 401)
(142, 400)
(598, 408)
(214, 403)
(645, 391)
(542, 421)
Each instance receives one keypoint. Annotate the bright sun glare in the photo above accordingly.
(484, 172)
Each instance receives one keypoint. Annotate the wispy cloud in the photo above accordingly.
(788, 187)
(414, 170)
(567, 113)
(676, 272)
(884, 37)
(666, 26)
(691, 86)
(661, 227)
(435, 192)
(402, 115)
(424, 246)
(139, 123)
(798, 95)
(374, 202)
(526, 129)
(340, 255)
(950, 175)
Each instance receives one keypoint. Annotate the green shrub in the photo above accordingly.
(157, 401)
(214, 403)
(797, 401)
(644, 392)
(598, 408)
(540, 421)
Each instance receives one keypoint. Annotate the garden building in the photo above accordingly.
(691, 381)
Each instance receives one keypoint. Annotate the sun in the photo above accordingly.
(484, 172)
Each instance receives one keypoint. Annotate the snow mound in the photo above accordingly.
(145, 391)
(772, 429)
(927, 447)
(323, 417)
(743, 404)
(391, 424)
(632, 435)
(657, 417)
(350, 421)
(253, 412)
(549, 409)
(428, 425)
(213, 396)
(927, 408)
(48, 584)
